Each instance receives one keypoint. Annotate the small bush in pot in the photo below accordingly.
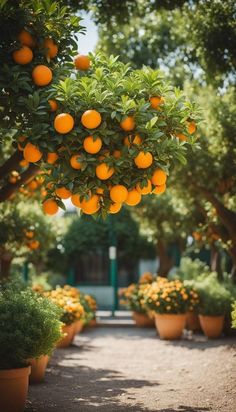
(215, 302)
(30, 328)
(169, 300)
(233, 314)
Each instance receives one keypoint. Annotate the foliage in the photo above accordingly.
(90, 306)
(234, 315)
(190, 270)
(30, 327)
(215, 299)
(164, 296)
(133, 297)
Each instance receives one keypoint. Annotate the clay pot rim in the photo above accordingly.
(170, 314)
(15, 373)
(211, 316)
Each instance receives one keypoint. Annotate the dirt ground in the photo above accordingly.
(131, 370)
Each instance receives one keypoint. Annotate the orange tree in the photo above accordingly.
(101, 132)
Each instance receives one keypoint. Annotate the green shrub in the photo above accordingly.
(190, 269)
(30, 327)
(215, 299)
(233, 314)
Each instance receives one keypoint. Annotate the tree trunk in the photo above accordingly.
(216, 261)
(166, 262)
(5, 264)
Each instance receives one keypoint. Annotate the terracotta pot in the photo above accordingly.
(142, 320)
(38, 368)
(92, 322)
(212, 326)
(13, 389)
(170, 326)
(78, 326)
(192, 322)
(67, 340)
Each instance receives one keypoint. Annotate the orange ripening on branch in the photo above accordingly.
(42, 75)
(82, 62)
(23, 56)
(91, 119)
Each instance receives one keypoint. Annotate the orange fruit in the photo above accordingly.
(159, 189)
(25, 38)
(24, 163)
(191, 126)
(90, 206)
(155, 101)
(100, 191)
(145, 190)
(133, 198)
(33, 185)
(53, 105)
(129, 140)
(63, 192)
(63, 123)
(104, 172)
(91, 119)
(128, 124)
(33, 244)
(116, 154)
(118, 193)
(74, 161)
(143, 160)
(82, 62)
(52, 48)
(29, 234)
(42, 75)
(159, 177)
(20, 140)
(50, 207)
(92, 146)
(115, 208)
(182, 137)
(23, 56)
(52, 158)
(75, 199)
(32, 153)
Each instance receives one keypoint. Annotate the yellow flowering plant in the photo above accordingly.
(134, 297)
(68, 299)
(165, 296)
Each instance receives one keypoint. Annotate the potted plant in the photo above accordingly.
(90, 306)
(215, 302)
(133, 297)
(233, 315)
(169, 300)
(192, 319)
(30, 328)
(67, 299)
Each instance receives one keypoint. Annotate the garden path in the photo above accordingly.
(131, 370)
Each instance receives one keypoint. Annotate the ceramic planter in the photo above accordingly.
(192, 322)
(142, 320)
(78, 326)
(67, 340)
(92, 323)
(170, 326)
(212, 326)
(38, 368)
(13, 389)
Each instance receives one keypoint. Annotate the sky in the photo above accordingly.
(87, 42)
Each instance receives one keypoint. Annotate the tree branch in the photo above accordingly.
(10, 188)
(10, 164)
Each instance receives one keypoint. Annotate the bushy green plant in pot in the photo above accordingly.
(233, 314)
(215, 302)
(30, 327)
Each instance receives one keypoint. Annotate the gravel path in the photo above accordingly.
(131, 370)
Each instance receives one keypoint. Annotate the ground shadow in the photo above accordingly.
(85, 389)
(183, 408)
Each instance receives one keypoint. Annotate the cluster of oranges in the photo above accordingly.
(128, 152)
(30, 241)
(165, 296)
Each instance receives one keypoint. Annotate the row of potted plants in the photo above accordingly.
(33, 323)
(174, 304)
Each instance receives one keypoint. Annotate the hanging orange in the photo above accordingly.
(50, 207)
(42, 75)
(182, 137)
(92, 146)
(191, 126)
(143, 160)
(91, 205)
(91, 119)
(104, 172)
(82, 62)
(115, 208)
(156, 101)
(63, 192)
(159, 177)
(118, 193)
(129, 140)
(159, 189)
(32, 153)
(145, 190)
(25, 38)
(52, 158)
(128, 124)
(74, 161)
(63, 123)
(116, 154)
(75, 200)
(53, 105)
(23, 56)
(51, 49)
(133, 198)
